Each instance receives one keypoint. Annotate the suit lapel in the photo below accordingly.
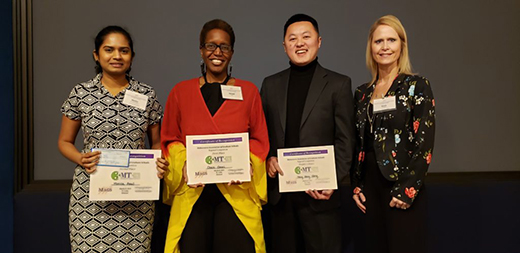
(317, 84)
(283, 84)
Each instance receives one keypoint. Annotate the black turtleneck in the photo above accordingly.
(299, 82)
(212, 94)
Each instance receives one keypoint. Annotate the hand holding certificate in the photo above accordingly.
(218, 158)
(307, 168)
(125, 175)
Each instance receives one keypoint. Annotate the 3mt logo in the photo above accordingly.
(124, 175)
(218, 159)
(297, 170)
(114, 175)
(209, 160)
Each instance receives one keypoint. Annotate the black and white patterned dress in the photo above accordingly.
(109, 226)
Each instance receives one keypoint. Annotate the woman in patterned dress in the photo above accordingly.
(394, 145)
(97, 107)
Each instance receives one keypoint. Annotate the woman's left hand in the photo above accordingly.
(395, 202)
(162, 167)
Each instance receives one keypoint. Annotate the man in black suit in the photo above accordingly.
(307, 105)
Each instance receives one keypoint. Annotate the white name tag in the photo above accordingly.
(231, 92)
(384, 104)
(135, 99)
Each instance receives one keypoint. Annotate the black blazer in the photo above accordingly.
(404, 137)
(327, 119)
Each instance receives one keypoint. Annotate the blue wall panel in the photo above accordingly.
(6, 127)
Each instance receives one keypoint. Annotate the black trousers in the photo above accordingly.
(297, 228)
(389, 229)
(213, 227)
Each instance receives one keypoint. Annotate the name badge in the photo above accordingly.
(384, 104)
(231, 92)
(113, 157)
(135, 99)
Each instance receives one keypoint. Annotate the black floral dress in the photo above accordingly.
(109, 226)
(403, 138)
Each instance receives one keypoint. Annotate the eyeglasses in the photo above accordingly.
(212, 47)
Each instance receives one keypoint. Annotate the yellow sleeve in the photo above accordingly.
(173, 180)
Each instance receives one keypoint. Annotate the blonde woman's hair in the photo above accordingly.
(403, 63)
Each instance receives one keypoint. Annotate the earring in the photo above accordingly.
(230, 69)
(202, 67)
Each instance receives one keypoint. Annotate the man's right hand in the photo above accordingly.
(273, 168)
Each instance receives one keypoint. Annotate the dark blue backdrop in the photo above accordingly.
(6, 128)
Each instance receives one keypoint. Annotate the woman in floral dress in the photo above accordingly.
(395, 127)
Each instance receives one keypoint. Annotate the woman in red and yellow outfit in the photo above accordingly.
(214, 217)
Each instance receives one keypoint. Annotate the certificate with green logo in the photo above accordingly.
(136, 181)
(217, 158)
(308, 168)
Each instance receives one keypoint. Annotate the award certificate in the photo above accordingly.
(138, 180)
(307, 168)
(217, 158)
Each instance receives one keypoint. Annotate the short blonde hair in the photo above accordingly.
(403, 63)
